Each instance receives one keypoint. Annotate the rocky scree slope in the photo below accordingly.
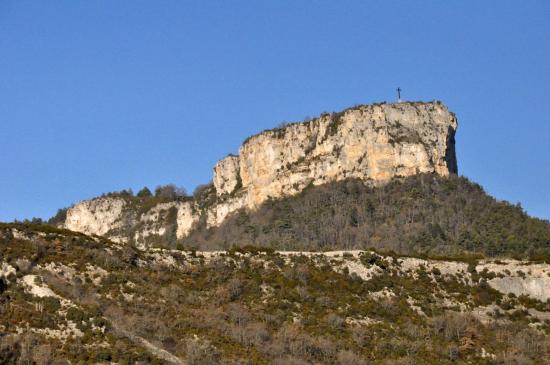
(69, 298)
(372, 143)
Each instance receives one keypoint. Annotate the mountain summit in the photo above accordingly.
(373, 143)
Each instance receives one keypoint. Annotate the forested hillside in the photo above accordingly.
(422, 214)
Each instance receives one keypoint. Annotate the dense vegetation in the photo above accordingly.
(249, 307)
(422, 214)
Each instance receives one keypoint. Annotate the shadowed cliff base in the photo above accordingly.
(450, 153)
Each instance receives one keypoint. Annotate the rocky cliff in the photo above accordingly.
(123, 218)
(374, 143)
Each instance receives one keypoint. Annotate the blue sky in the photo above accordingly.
(98, 96)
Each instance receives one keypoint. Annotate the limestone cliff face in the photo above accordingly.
(172, 218)
(118, 219)
(98, 216)
(187, 217)
(227, 175)
(374, 143)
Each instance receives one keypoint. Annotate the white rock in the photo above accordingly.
(96, 216)
(373, 142)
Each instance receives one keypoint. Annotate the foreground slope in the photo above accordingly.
(69, 297)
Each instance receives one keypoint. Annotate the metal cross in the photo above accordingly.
(398, 93)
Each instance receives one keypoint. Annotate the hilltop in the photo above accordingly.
(372, 143)
(380, 176)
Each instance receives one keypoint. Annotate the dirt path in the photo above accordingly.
(158, 352)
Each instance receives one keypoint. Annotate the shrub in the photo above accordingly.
(201, 352)
(144, 193)
(51, 304)
(346, 357)
(170, 192)
(76, 315)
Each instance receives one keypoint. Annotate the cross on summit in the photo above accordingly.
(398, 94)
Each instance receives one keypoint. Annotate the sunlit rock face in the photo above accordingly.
(97, 216)
(226, 175)
(374, 143)
(187, 217)
(117, 219)
(173, 218)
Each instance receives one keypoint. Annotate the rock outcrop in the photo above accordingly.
(120, 219)
(97, 216)
(227, 176)
(374, 143)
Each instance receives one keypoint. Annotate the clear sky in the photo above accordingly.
(97, 96)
